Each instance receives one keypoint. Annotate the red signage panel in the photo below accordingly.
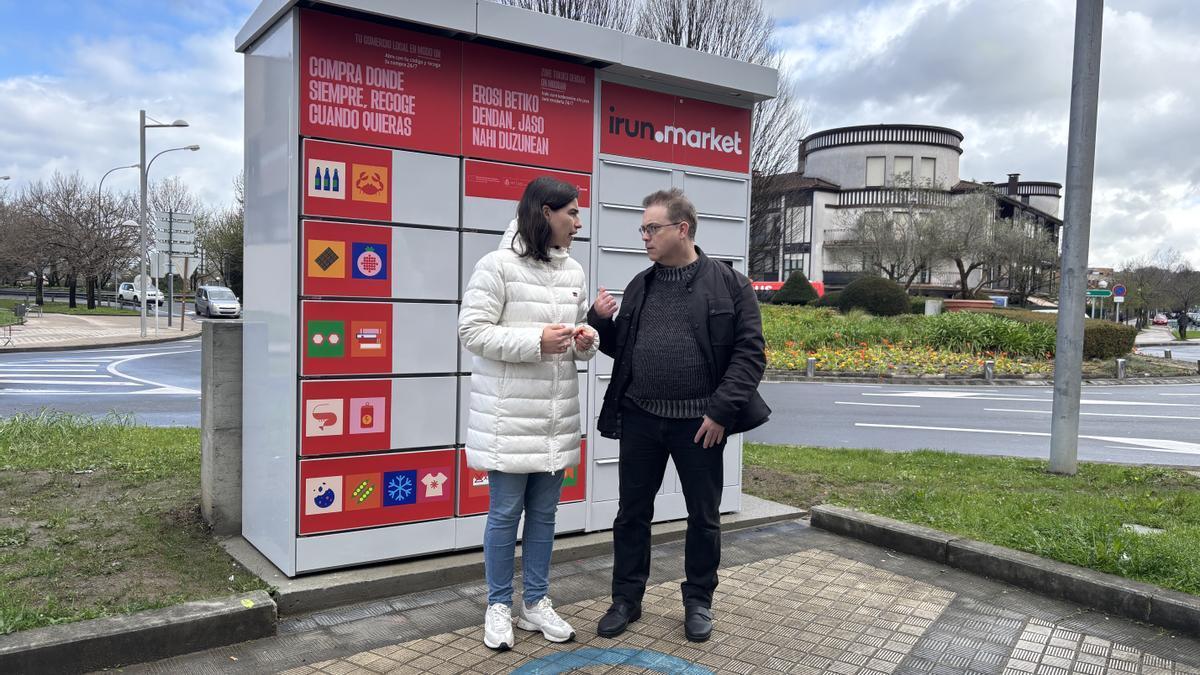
(347, 181)
(345, 416)
(346, 260)
(368, 83)
(473, 484)
(346, 493)
(526, 109)
(651, 125)
(506, 181)
(346, 338)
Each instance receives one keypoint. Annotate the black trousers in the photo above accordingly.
(646, 443)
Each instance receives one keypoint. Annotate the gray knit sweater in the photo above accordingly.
(670, 378)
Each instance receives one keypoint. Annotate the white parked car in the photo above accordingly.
(128, 292)
(217, 301)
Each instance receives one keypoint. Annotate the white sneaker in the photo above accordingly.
(497, 627)
(543, 617)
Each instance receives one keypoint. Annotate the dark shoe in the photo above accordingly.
(617, 619)
(697, 623)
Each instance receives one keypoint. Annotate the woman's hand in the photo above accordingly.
(584, 338)
(556, 339)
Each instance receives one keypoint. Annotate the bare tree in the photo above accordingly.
(615, 14)
(967, 238)
(80, 228)
(219, 235)
(1146, 279)
(1028, 255)
(899, 244)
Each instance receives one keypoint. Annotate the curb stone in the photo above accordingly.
(1105, 592)
(341, 587)
(98, 345)
(784, 376)
(145, 636)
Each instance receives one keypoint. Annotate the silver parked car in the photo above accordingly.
(217, 301)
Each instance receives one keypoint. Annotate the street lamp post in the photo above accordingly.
(99, 202)
(145, 168)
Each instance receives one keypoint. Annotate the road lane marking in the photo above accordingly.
(879, 405)
(1097, 414)
(1163, 445)
(73, 382)
(968, 397)
(160, 388)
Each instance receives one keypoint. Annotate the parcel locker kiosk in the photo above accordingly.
(385, 151)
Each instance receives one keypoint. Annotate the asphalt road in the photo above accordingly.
(1150, 424)
(1180, 352)
(159, 384)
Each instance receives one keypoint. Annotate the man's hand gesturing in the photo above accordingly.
(605, 305)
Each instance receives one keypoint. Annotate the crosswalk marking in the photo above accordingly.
(86, 375)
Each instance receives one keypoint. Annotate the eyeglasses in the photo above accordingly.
(653, 228)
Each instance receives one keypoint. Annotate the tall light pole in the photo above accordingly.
(99, 202)
(142, 126)
(1077, 221)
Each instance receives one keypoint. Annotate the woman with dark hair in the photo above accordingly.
(524, 318)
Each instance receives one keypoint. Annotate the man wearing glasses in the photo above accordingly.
(688, 355)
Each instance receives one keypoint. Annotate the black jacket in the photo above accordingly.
(728, 328)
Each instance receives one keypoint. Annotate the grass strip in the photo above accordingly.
(102, 517)
(1005, 501)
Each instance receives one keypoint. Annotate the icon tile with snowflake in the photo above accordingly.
(400, 488)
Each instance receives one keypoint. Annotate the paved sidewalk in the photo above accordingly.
(792, 599)
(1162, 335)
(51, 331)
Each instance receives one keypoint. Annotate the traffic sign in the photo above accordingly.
(1099, 293)
(1118, 290)
(1118, 298)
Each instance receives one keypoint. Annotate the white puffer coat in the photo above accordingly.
(524, 415)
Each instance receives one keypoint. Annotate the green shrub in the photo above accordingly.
(796, 291)
(876, 295)
(975, 332)
(830, 299)
(804, 328)
(1101, 339)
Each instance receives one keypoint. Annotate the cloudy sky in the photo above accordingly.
(74, 73)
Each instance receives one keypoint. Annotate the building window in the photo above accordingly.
(874, 172)
(902, 171)
(928, 173)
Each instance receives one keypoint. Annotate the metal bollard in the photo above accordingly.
(989, 370)
(811, 368)
(1167, 354)
(1120, 369)
(1198, 366)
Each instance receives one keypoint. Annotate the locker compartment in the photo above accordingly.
(616, 268)
(344, 493)
(718, 236)
(342, 549)
(425, 189)
(423, 264)
(604, 448)
(622, 183)
(423, 411)
(736, 262)
(425, 338)
(618, 226)
(464, 406)
(475, 245)
(716, 194)
(604, 480)
(732, 461)
(492, 215)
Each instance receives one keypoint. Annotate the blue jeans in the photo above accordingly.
(510, 493)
